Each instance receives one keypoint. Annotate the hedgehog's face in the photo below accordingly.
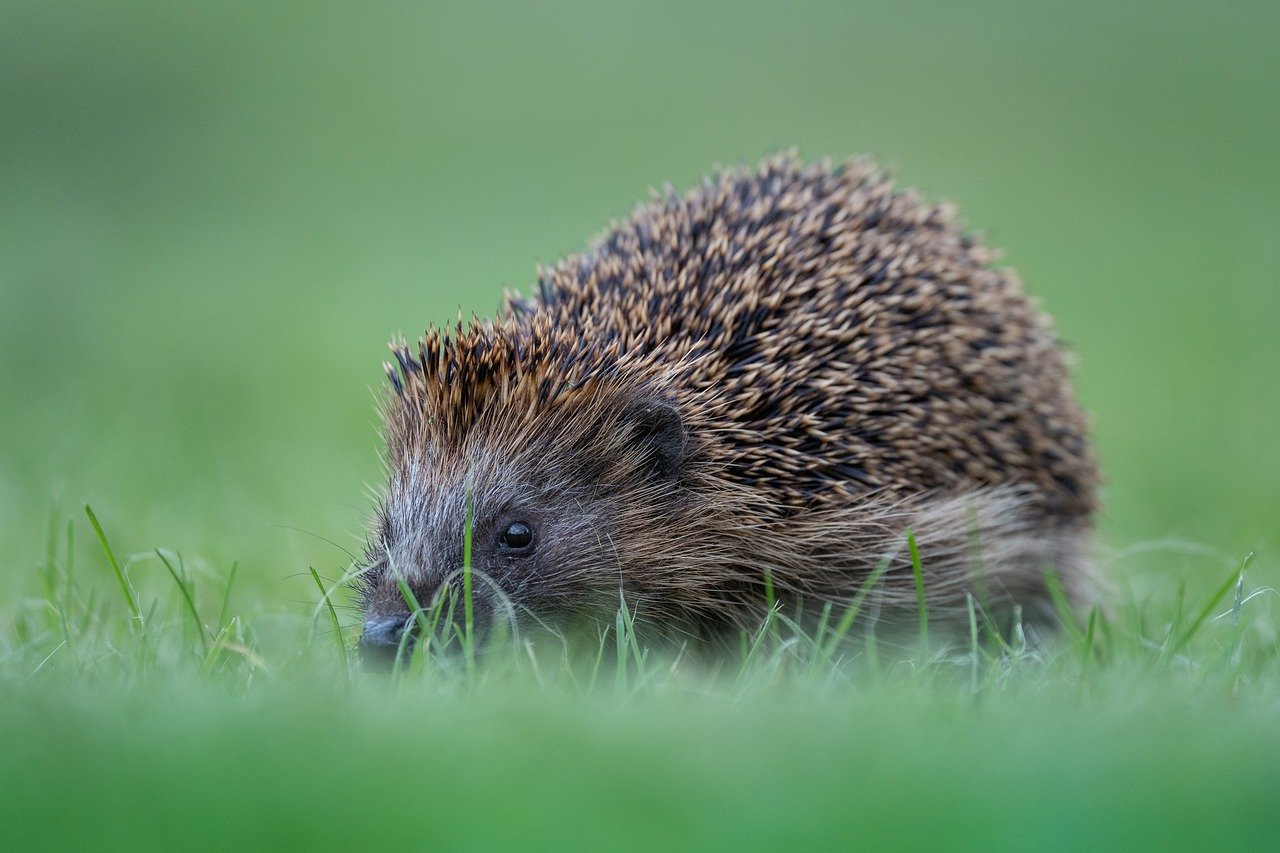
(545, 529)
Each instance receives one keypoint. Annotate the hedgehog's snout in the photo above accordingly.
(380, 641)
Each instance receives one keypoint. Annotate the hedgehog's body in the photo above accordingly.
(772, 377)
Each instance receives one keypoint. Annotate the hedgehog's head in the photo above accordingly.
(555, 462)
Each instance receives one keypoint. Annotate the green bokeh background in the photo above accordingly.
(212, 216)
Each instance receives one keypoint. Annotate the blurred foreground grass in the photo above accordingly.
(163, 717)
(905, 766)
(212, 216)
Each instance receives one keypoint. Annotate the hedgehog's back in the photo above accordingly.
(838, 338)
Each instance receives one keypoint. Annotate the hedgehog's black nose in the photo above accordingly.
(380, 641)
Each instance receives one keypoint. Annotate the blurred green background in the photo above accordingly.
(213, 215)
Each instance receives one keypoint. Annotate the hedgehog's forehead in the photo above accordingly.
(488, 357)
(435, 484)
(504, 448)
(499, 390)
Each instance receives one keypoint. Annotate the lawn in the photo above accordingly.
(212, 217)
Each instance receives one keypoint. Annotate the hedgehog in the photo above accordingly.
(751, 395)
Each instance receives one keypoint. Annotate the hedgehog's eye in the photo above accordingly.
(517, 537)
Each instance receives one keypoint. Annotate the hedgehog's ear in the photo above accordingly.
(655, 428)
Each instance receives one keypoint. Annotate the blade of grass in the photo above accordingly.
(226, 596)
(189, 599)
(599, 659)
(747, 667)
(855, 606)
(820, 632)
(917, 569)
(620, 621)
(115, 566)
(337, 626)
(983, 600)
(149, 652)
(1063, 607)
(1235, 578)
(871, 651)
(468, 615)
(770, 600)
(67, 592)
(1172, 632)
(71, 554)
(419, 615)
(441, 608)
(51, 557)
(1091, 632)
(633, 643)
(973, 643)
(1233, 657)
(444, 609)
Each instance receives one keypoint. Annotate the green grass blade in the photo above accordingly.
(71, 554)
(426, 630)
(115, 566)
(50, 571)
(1179, 613)
(620, 621)
(770, 600)
(762, 633)
(411, 600)
(1091, 632)
(68, 591)
(226, 596)
(1062, 606)
(820, 633)
(974, 648)
(602, 641)
(398, 664)
(337, 626)
(1235, 578)
(468, 615)
(917, 570)
(855, 606)
(187, 596)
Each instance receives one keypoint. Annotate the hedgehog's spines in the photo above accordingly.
(836, 349)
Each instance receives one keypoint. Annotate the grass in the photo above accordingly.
(1224, 643)
(1150, 724)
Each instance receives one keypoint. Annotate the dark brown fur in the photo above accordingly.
(775, 374)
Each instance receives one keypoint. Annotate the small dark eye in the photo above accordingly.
(516, 537)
